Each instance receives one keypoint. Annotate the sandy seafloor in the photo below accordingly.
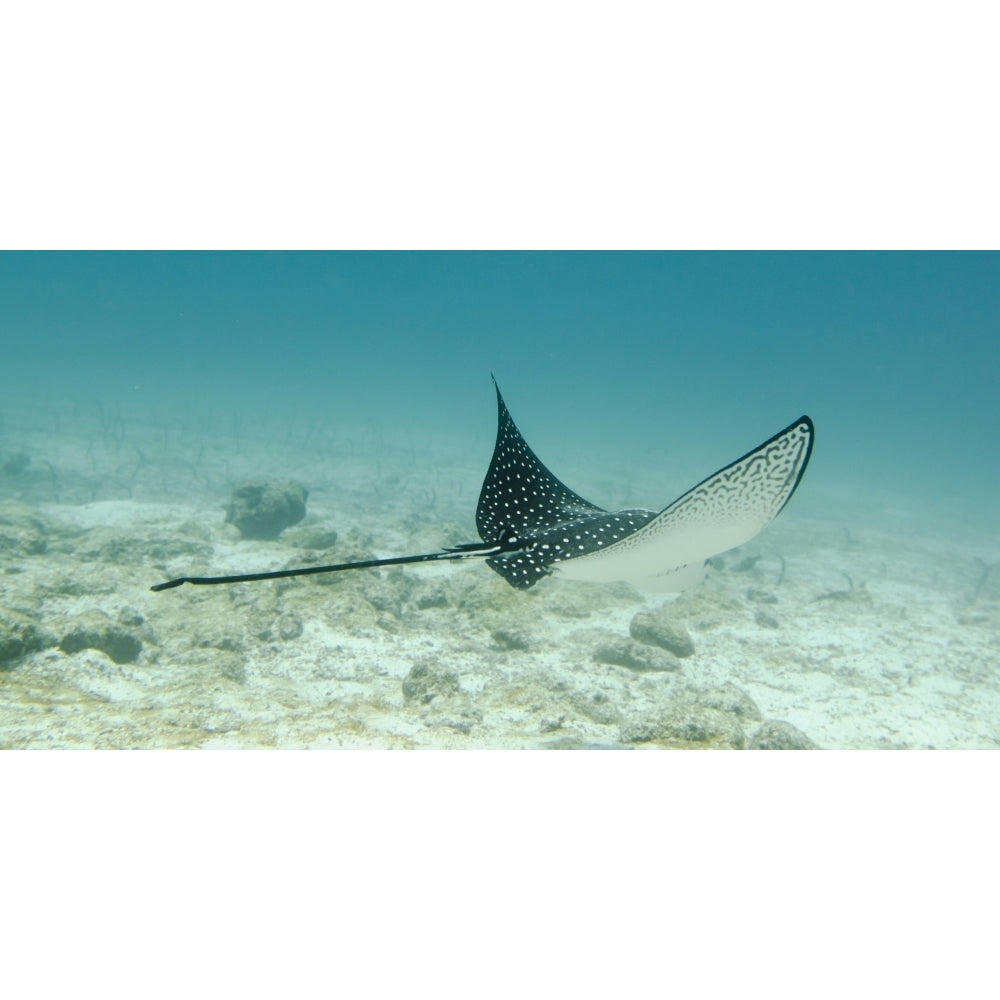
(856, 621)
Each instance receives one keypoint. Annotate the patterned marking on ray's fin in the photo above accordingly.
(726, 509)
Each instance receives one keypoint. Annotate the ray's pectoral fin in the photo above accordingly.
(670, 550)
(521, 504)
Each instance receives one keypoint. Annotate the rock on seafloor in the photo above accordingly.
(95, 630)
(695, 718)
(19, 636)
(683, 724)
(634, 655)
(264, 510)
(427, 681)
(662, 628)
(778, 735)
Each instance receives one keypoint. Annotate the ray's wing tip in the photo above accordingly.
(805, 421)
(500, 403)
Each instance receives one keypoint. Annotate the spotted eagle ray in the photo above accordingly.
(532, 526)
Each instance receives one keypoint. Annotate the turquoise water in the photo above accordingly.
(896, 356)
(137, 391)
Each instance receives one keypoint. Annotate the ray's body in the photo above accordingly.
(531, 525)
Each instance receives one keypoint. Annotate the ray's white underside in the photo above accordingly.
(669, 553)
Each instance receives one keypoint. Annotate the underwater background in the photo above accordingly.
(158, 382)
(894, 355)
